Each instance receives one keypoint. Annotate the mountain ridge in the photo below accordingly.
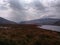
(5, 21)
(43, 21)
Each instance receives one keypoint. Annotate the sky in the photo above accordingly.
(23, 10)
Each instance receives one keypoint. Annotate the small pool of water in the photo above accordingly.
(50, 27)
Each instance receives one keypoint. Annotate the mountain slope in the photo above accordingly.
(57, 23)
(44, 21)
(5, 21)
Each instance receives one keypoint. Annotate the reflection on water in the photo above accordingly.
(50, 27)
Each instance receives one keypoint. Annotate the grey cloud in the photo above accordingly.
(23, 13)
(53, 9)
(38, 5)
(15, 4)
(57, 8)
(3, 8)
(37, 9)
(17, 16)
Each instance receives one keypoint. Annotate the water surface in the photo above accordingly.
(50, 27)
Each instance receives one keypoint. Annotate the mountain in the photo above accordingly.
(5, 21)
(43, 21)
(57, 23)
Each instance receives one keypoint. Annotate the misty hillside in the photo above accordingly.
(57, 23)
(43, 21)
(5, 21)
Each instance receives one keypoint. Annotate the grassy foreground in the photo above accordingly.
(27, 35)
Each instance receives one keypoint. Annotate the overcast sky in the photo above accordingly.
(21, 10)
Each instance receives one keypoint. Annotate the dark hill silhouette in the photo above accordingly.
(5, 21)
(44, 21)
(57, 23)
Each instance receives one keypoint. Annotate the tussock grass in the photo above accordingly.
(28, 35)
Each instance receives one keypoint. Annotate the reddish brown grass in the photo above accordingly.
(28, 35)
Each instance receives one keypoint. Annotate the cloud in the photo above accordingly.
(56, 6)
(20, 11)
(17, 16)
(3, 8)
(38, 5)
(52, 9)
(3, 4)
(15, 5)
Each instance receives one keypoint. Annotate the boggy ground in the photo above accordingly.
(27, 35)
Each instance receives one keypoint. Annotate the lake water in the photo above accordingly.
(50, 27)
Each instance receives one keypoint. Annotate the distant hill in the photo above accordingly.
(5, 21)
(43, 21)
(57, 23)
